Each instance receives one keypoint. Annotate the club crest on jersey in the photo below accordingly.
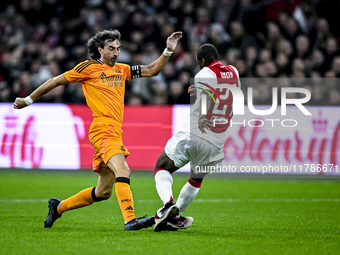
(208, 92)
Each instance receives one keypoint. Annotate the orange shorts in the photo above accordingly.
(106, 136)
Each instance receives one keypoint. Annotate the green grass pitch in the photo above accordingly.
(231, 216)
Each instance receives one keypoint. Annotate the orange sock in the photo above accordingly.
(124, 196)
(83, 198)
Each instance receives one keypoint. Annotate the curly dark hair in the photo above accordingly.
(99, 40)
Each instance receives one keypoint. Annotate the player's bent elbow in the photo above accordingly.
(155, 73)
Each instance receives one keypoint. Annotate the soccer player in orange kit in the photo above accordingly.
(103, 83)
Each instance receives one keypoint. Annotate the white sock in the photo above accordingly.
(59, 204)
(187, 195)
(164, 183)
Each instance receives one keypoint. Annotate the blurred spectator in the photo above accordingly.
(264, 94)
(135, 99)
(199, 32)
(188, 63)
(23, 85)
(177, 93)
(290, 29)
(241, 67)
(323, 33)
(331, 50)
(161, 98)
(319, 96)
(40, 39)
(233, 54)
(251, 57)
(239, 37)
(40, 73)
(265, 56)
(336, 66)
(219, 37)
(298, 66)
(271, 68)
(5, 92)
(274, 36)
(301, 47)
(282, 63)
(316, 62)
(286, 47)
(334, 97)
(260, 71)
(169, 72)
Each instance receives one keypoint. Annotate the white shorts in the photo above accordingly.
(200, 153)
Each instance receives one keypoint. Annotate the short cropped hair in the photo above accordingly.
(99, 40)
(208, 52)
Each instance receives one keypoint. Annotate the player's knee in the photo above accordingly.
(165, 163)
(123, 172)
(159, 165)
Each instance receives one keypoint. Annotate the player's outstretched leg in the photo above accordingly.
(188, 193)
(164, 214)
(52, 215)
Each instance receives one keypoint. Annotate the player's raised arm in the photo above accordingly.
(40, 91)
(155, 67)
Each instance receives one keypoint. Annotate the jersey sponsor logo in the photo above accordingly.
(125, 200)
(112, 81)
(208, 92)
(123, 148)
(115, 84)
(129, 208)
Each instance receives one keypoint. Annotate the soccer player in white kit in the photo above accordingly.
(199, 141)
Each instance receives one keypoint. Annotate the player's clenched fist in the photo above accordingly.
(19, 103)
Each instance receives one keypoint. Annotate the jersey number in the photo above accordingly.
(224, 94)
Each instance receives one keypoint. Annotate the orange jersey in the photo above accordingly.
(103, 86)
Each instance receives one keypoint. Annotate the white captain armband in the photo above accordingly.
(135, 72)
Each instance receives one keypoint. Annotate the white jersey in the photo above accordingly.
(212, 79)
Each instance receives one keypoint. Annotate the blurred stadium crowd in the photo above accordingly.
(271, 43)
